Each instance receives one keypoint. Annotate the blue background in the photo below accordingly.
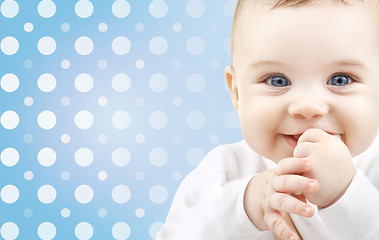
(196, 112)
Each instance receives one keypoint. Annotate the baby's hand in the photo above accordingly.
(332, 165)
(272, 194)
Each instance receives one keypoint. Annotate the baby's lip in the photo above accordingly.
(298, 135)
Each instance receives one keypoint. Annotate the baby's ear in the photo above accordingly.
(231, 82)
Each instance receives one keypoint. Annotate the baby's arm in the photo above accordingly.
(278, 191)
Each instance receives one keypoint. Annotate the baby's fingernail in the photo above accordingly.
(293, 238)
(308, 210)
(307, 165)
(311, 186)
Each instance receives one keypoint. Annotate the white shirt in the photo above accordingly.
(209, 202)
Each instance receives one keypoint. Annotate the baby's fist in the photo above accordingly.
(332, 165)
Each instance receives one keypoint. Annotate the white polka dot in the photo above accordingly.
(28, 64)
(195, 82)
(9, 82)
(158, 194)
(84, 194)
(9, 45)
(140, 64)
(176, 138)
(140, 101)
(9, 8)
(176, 64)
(121, 8)
(28, 138)
(227, 45)
(158, 8)
(140, 212)
(28, 175)
(140, 138)
(158, 82)
(46, 8)
(194, 156)
(65, 27)
(9, 157)
(121, 82)
(65, 175)
(9, 120)
(195, 46)
(121, 194)
(229, 7)
(121, 157)
(84, 120)
(195, 120)
(65, 212)
(83, 8)
(102, 212)
(177, 176)
(65, 64)
(47, 45)
(214, 64)
(84, 231)
(84, 45)
(84, 157)
(139, 27)
(121, 45)
(177, 101)
(214, 138)
(84, 82)
(102, 175)
(102, 101)
(177, 27)
(158, 45)
(121, 231)
(103, 27)
(231, 120)
(47, 157)
(195, 8)
(65, 138)
(28, 27)
(28, 101)
(102, 64)
(9, 231)
(65, 101)
(47, 82)
(9, 194)
(47, 194)
(46, 231)
(139, 176)
(158, 120)
(121, 120)
(28, 212)
(154, 229)
(158, 157)
(102, 138)
(47, 120)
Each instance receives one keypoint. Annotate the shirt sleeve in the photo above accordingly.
(356, 214)
(209, 205)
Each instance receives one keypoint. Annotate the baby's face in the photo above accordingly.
(307, 67)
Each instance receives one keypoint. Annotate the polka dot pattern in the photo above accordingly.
(106, 107)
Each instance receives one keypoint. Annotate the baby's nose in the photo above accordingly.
(308, 107)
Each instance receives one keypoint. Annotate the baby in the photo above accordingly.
(304, 80)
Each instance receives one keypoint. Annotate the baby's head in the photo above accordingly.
(305, 64)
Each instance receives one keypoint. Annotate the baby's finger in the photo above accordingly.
(313, 135)
(294, 184)
(279, 227)
(293, 166)
(286, 203)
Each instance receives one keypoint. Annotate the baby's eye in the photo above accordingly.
(340, 80)
(278, 81)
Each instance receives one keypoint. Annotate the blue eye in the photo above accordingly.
(340, 80)
(278, 81)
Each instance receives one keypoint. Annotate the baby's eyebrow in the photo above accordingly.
(343, 62)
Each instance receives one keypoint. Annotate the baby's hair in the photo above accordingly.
(242, 4)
